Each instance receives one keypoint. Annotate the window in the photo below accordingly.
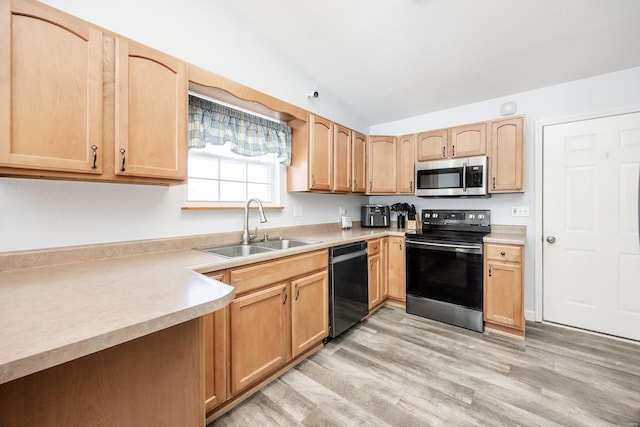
(218, 175)
(233, 154)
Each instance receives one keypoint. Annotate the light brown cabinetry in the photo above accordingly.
(280, 312)
(503, 289)
(460, 141)
(50, 90)
(382, 165)
(341, 159)
(375, 267)
(72, 97)
(358, 163)
(506, 157)
(151, 113)
(406, 163)
(215, 351)
(396, 268)
(468, 140)
(326, 157)
(259, 323)
(320, 153)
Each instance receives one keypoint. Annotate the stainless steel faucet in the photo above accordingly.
(246, 237)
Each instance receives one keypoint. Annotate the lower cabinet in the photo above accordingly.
(375, 294)
(396, 269)
(503, 289)
(281, 311)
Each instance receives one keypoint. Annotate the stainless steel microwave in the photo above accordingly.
(465, 176)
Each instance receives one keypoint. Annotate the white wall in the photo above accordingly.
(595, 95)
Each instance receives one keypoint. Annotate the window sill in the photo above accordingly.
(227, 207)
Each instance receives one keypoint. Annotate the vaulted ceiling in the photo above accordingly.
(393, 59)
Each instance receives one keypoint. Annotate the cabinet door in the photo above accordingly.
(50, 90)
(469, 140)
(384, 268)
(215, 352)
(397, 289)
(341, 159)
(382, 166)
(432, 145)
(259, 331)
(504, 294)
(309, 311)
(358, 162)
(374, 281)
(151, 114)
(507, 155)
(320, 153)
(406, 163)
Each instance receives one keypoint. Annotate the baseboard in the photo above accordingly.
(530, 315)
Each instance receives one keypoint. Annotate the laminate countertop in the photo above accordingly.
(507, 234)
(54, 310)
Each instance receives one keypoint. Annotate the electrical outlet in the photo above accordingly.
(342, 210)
(297, 211)
(520, 211)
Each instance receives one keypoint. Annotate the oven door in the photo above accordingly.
(446, 272)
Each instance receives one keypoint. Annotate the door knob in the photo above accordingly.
(551, 239)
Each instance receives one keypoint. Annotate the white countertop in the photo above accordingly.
(57, 313)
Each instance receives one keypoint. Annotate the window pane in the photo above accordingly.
(261, 191)
(260, 173)
(233, 191)
(203, 190)
(233, 171)
(202, 166)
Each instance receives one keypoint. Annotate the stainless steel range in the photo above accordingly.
(444, 267)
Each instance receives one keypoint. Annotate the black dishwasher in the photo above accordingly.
(348, 286)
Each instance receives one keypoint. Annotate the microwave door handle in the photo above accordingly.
(464, 177)
(384, 220)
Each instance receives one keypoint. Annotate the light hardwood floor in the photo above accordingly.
(403, 370)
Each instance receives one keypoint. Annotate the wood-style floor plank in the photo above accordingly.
(397, 369)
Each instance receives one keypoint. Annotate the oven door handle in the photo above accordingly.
(450, 247)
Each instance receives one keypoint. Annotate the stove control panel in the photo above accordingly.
(456, 217)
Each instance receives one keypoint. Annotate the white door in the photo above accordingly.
(591, 254)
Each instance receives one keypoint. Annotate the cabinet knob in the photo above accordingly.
(503, 253)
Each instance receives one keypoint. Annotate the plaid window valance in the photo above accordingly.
(249, 135)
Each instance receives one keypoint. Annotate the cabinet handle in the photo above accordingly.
(284, 300)
(313, 180)
(370, 185)
(355, 184)
(453, 151)
(400, 247)
(95, 156)
(123, 159)
(444, 152)
(493, 183)
(297, 292)
(489, 270)
(411, 186)
(503, 253)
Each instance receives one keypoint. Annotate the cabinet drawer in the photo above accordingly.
(373, 247)
(508, 253)
(255, 276)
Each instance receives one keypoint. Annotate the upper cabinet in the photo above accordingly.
(341, 159)
(77, 101)
(50, 90)
(459, 141)
(358, 162)
(507, 156)
(406, 163)
(151, 114)
(382, 165)
(326, 157)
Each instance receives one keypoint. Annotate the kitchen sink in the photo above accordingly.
(284, 243)
(239, 250)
